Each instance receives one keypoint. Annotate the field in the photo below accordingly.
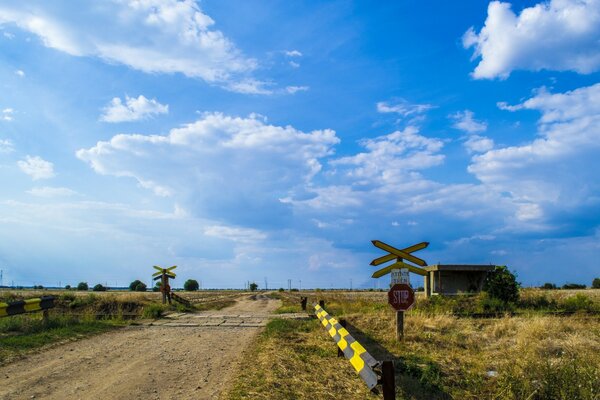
(546, 346)
(548, 349)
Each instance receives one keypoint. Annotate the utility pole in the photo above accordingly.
(1, 277)
(289, 285)
(300, 287)
(350, 283)
(266, 284)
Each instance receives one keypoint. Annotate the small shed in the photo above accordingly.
(450, 279)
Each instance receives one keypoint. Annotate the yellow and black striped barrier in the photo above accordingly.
(25, 306)
(360, 359)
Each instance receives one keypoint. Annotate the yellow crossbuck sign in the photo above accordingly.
(167, 271)
(400, 255)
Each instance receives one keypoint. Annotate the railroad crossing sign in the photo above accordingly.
(400, 255)
(164, 274)
(401, 297)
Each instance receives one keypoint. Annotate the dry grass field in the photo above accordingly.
(538, 353)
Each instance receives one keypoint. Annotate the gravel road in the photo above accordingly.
(180, 361)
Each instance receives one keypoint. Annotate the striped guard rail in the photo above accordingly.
(25, 306)
(360, 359)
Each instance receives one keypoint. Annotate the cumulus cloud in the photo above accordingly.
(229, 167)
(403, 108)
(293, 53)
(48, 191)
(6, 146)
(134, 109)
(153, 36)
(20, 73)
(478, 144)
(36, 167)
(465, 121)
(7, 114)
(560, 35)
(555, 174)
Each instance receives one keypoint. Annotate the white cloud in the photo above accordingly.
(36, 167)
(234, 168)
(294, 64)
(8, 35)
(134, 109)
(465, 121)
(249, 86)
(293, 53)
(153, 36)
(295, 89)
(403, 108)
(20, 73)
(6, 146)
(559, 35)
(478, 144)
(235, 234)
(48, 191)
(7, 114)
(555, 173)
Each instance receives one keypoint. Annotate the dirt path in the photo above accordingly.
(179, 359)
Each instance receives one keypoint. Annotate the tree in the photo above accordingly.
(68, 287)
(596, 283)
(191, 285)
(253, 286)
(137, 286)
(99, 288)
(548, 286)
(573, 286)
(82, 286)
(156, 287)
(502, 284)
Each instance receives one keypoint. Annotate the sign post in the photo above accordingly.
(401, 297)
(164, 274)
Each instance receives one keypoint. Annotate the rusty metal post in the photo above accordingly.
(303, 301)
(340, 352)
(322, 303)
(388, 380)
(399, 325)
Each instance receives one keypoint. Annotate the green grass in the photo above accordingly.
(20, 334)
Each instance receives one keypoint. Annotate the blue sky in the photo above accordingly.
(252, 140)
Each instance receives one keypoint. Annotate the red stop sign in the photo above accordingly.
(401, 297)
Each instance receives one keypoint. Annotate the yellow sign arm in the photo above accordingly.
(399, 253)
(398, 265)
(157, 267)
(384, 259)
(157, 273)
(172, 268)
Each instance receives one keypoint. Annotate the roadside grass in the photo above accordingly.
(528, 356)
(81, 314)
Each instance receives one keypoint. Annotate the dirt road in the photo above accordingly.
(188, 357)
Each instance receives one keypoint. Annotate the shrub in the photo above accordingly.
(596, 283)
(253, 286)
(573, 286)
(579, 302)
(281, 289)
(502, 284)
(153, 310)
(82, 286)
(157, 286)
(99, 288)
(137, 286)
(68, 287)
(191, 285)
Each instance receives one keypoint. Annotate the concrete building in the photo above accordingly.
(454, 279)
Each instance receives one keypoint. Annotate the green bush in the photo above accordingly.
(281, 289)
(153, 311)
(579, 302)
(99, 288)
(502, 284)
(253, 286)
(82, 286)
(596, 283)
(137, 286)
(191, 285)
(548, 286)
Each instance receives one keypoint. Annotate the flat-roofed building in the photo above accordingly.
(451, 279)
